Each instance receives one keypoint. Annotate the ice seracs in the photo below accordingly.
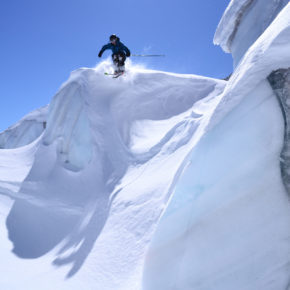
(156, 180)
(243, 22)
(232, 196)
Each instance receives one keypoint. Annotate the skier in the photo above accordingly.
(120, 51)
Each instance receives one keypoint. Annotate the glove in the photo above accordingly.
(128, 54)
(100, 54)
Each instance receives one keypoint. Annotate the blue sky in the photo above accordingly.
(43, 41)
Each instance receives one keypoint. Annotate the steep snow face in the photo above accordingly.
(99, 183)
(79, 118)
(243, 22)
(270, 52)
(87, 196)
(229, 201)
(27, 130)
(68, 125)
(231, 197)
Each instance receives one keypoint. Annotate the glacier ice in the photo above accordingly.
(156, 180)
(243, 23)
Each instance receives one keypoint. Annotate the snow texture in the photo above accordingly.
(243, 23)
(91, 200)
(151, 181)
(28, 129)
(231, 198)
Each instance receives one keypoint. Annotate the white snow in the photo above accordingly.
(151, 181)
(91, 201)
(229, 201)
(231, 198)
(268, 53)
(243, 22)
(229, 23)
(25, 131)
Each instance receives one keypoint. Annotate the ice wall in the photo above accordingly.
(116, 154)
(232, 197)
(229, 201)
(68, 125)
(243, 22)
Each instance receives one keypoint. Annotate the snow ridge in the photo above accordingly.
(29, 128)
(229, 23)
(243, 23)
(90, 197)
(210, 236)
(153, 180)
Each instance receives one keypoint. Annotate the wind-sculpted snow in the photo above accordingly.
(27, 130)
(231, 197)
(229, 23)
(228, 202)
(153, 181)
(243, 23)
(98, 185)
(68, 125)
(270, 52)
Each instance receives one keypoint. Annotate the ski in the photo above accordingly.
(114, 75)
(118, 75)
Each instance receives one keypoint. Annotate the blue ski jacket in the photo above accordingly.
(118, 48)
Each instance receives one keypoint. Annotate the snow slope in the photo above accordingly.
(243, 22)
(151, 181)
(227, 226)
(29, 128)
(98, 184)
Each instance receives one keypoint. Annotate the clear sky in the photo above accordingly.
(43, 41)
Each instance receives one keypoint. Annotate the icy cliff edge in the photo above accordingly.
(243, 23)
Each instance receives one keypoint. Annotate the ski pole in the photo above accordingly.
(148, 55)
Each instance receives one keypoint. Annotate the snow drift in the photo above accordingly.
(91, 200)
(29, 128)
(243, 22)
(231, 198)
(155, 180)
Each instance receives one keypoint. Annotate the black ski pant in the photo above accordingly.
(119, 58)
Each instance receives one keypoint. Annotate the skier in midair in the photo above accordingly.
(120, 52)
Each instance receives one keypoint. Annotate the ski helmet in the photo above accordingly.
(113, 37)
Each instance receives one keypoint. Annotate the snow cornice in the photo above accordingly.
(229, 23)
